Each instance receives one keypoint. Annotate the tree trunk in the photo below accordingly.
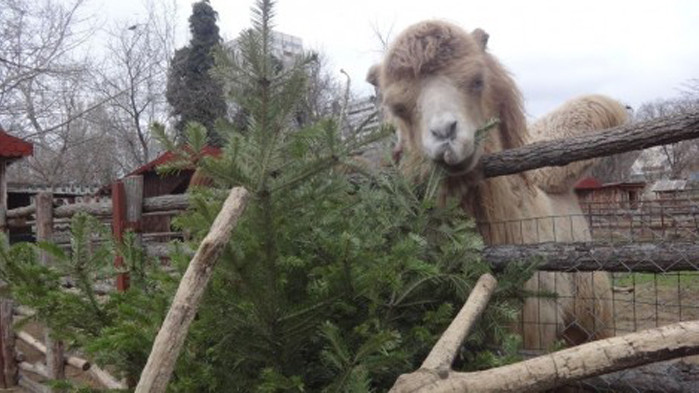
(168, 343)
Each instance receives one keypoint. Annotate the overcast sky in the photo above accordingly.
(634, 51)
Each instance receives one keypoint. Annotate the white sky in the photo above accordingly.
(634, 51)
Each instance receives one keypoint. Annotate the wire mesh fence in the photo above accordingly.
(586, 301)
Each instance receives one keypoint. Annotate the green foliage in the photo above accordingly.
(192, 91)
(330, 283)
(117, 329)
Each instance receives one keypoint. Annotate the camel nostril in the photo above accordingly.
(451, 131)
(447, 132)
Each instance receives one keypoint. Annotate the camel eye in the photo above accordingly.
(477, 84)
(400, 110)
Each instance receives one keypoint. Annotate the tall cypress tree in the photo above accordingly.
(193, 93)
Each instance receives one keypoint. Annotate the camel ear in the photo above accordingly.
(373, 75)
(481, 37)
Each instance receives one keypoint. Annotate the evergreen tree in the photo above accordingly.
(192, 91)
(327, 285)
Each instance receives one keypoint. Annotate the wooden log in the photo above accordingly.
(443, 353)
(32, 386)
(36, 368)
(170, 203)
(44, 232)
(165, 203)
(667, 377)
(160, 250)
(31, 341)
(74, 361)
(7, 338)
(634, 136)
(591, 256)
(92, 208)
(21, 212)
(106, 379)
(563, 367)
(168, 343)
(24, 311)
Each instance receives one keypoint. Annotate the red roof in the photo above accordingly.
(169, 156)
(588, 183)
(13, 147)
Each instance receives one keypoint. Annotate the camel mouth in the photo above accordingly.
(448, 158)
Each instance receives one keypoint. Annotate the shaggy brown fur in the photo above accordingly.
(526, 208)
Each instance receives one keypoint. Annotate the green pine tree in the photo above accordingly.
(330, 283)
(192, 92)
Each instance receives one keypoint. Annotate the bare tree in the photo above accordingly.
(678, 157)
(48, 95)
(42, 80)
(133, 79)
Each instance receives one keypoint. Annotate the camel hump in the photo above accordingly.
(585, 114)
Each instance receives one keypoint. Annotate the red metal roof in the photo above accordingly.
(588, 183)
(169, 156)
(13, 147)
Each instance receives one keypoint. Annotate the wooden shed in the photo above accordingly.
(156, 184)
(592, 194)
(11, 149)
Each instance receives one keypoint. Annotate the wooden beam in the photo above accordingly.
(633, 136)
(592, 256)
(44, 232)
(7, 339)
(106, 379)
(563, 367)
(74, 361)
(118, 228)
(168, 343)
(32, 386)
(443, 353)
(35, 368)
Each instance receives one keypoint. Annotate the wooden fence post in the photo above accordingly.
(133, 189)
(7, 336)
(118, 226)
(127, 209)
(44, 232)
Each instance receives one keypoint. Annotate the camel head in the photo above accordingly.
(439, 87)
